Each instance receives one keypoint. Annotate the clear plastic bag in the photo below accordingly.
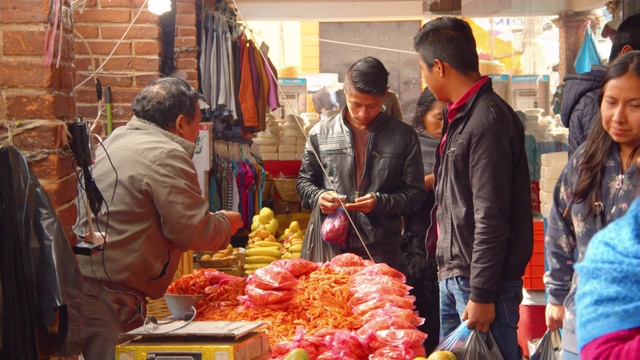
(468, 344)
(546, 348)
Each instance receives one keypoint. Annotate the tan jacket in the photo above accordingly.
(156, 209)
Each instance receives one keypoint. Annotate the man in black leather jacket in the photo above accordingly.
(371, 158)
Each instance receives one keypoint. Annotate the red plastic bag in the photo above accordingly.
(296, 266)
(335, 228)
(272, 278)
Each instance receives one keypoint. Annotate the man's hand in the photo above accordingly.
(235, 220)
(554, 315)
(329, 202)
(480, 316)
(364, 204)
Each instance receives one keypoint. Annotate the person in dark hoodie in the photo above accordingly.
(580, 101)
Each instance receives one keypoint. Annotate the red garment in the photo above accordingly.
(454, 108)
(245, 92)
(624, 344)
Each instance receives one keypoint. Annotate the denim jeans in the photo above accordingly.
(454, 295)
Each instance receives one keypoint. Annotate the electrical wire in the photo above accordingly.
(293, 111)
(188, 321)
(116, 46)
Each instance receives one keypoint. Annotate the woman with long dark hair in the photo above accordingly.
(418, 258)
(597, 186)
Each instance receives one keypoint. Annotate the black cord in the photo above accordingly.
(153, 320)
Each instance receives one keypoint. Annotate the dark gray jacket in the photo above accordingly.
(580, 104)
(483, 196)
(393, 171)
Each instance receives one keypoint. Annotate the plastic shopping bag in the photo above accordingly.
(313, 247)
(548, 347)
(455, 341)
(468, 344)
(335, 228)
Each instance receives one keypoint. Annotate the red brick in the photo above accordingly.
(116, 81)
(24, 74)
(189, 54)
(67, 216)
(144, 80)
(192, 77)
(186, 64)
(87, 31)
(147, 17)
(132, 64)
(86, 95)
(181, 42)
(50, 135)
(101, 47)
(61, 191)
(123, 95)
(28, 107)
(187, 31)
(20, 12)
(146, 48)
(84, 63)
(54, 166)
(62, 78)
(93, 16)
(185, 20)
(87, 111)
(121, 3)
(23, 42)
(145, 32)
(185, 9)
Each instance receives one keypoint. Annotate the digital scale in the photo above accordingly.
(196, 340)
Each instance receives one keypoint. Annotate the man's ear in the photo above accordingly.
(625, 49)
(181, 122)
(439, 67)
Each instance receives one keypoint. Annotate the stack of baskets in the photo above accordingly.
(286, 188)
(158, 307)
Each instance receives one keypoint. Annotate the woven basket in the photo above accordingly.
(286, 188)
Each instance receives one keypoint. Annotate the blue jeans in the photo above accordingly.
(454, 295)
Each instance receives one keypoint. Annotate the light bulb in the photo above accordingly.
(159, 7)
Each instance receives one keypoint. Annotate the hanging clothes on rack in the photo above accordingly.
(239, 181)
(239, 82)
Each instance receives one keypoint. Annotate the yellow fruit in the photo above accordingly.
(264, 243)
(294, 226)
(299, 233)
(257, 259)
(442, 355)
(262, 234)
(287, 231)
(297, 354)
(263, 219)
(255, 266)
(272, 228)
(267, 211)
(229, 249)
(255, 218)
(254, 226)
(295, 248)
(265, 251)
(205, 257)
(295, 254)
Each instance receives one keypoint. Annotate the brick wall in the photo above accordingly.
(136, 59)
(571, 39)
(35, 99)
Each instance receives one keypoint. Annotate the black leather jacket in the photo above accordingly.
(393, 172)
(483, 196)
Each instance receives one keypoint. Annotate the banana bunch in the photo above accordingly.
(261, 253)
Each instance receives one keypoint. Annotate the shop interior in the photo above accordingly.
(105, 52)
